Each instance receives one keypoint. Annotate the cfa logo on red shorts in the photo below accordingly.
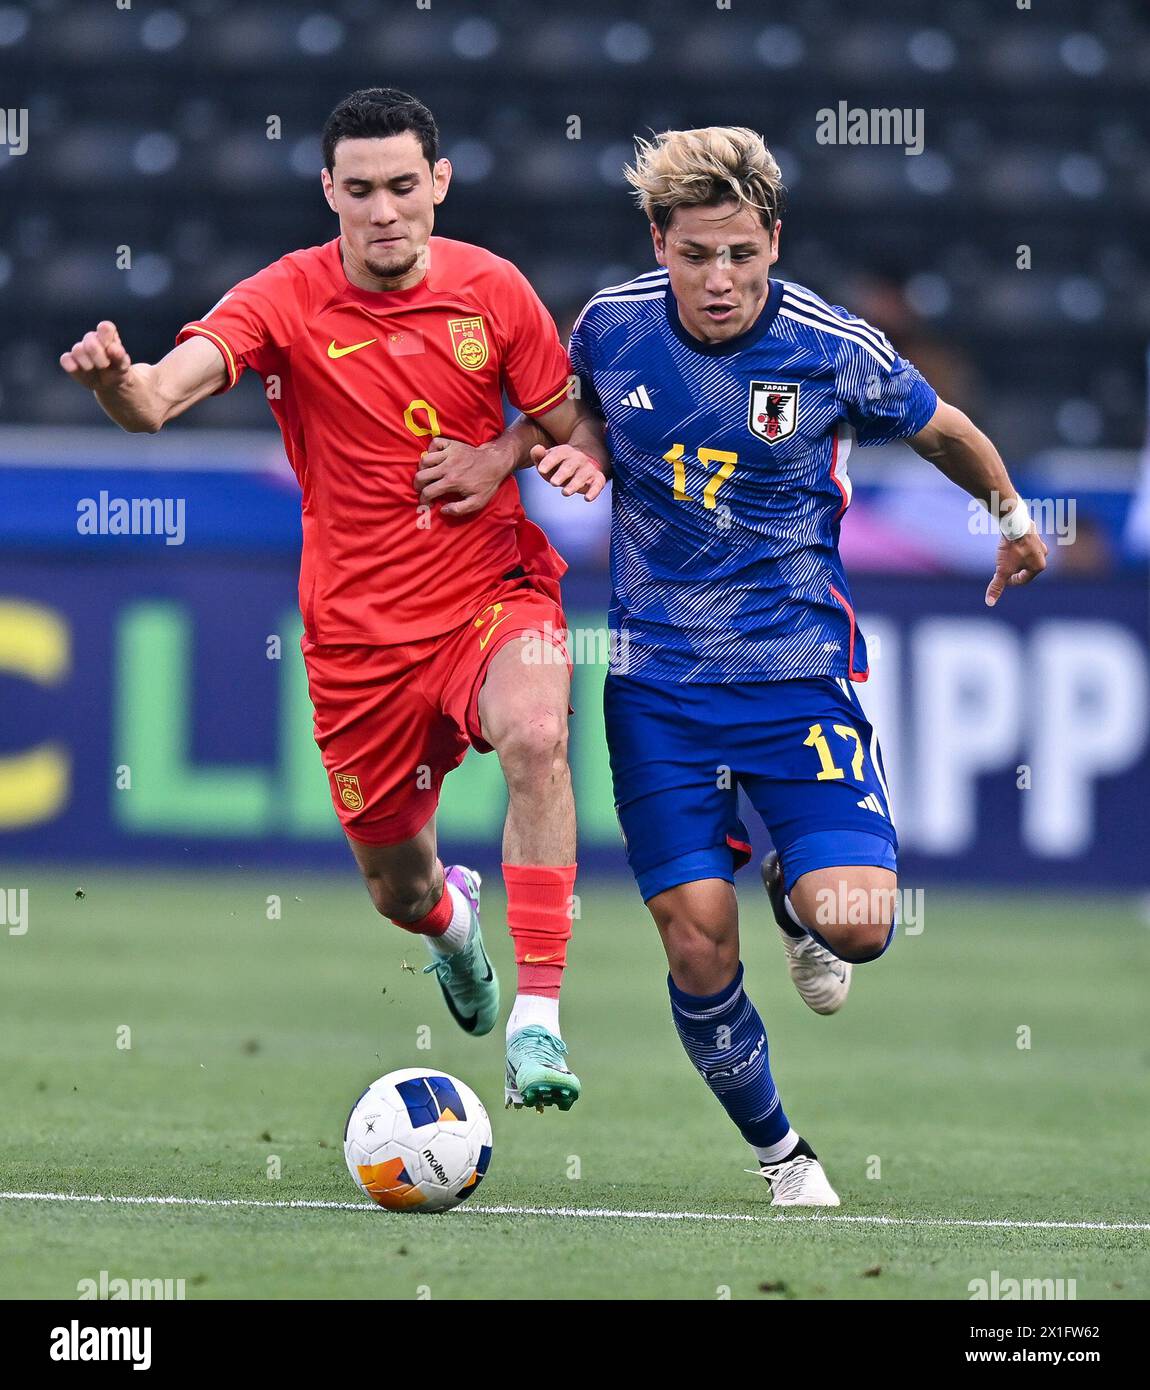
(349, 792)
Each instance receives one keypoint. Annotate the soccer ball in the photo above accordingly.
(418, 1140)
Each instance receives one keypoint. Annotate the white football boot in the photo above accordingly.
(821, 979)
(799, 1181)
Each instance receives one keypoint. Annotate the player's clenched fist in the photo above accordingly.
(570, 469)
(99, 360)
(141, 397)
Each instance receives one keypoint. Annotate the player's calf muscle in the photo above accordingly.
(540, 826)
(404, 881)
(399, 900)
(698, 923)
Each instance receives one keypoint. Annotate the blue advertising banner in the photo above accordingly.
(153, 708)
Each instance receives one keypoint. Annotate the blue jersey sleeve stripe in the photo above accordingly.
(806, 302)
(638, 282)
(850, 337)
(858, 330)
(617, 299)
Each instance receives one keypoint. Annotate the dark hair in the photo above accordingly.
(377, 112)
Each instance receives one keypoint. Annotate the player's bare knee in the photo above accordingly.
(533, 751)
(699, 964)
(861, 935)
(851, 912)
(857, 942)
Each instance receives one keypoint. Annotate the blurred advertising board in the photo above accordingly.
(153, 708)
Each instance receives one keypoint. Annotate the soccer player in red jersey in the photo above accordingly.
(385, 354)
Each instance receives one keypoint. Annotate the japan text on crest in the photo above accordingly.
(773, 410)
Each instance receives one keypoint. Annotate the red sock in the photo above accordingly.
(539, 912)
(433, 923)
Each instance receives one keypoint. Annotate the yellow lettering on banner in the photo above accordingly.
(35, 644)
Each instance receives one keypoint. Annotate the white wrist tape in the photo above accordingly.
(1016, 523)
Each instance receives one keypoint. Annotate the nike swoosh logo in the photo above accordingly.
(483, 641)
(538, 960)
(333, 351)
(467, 1024)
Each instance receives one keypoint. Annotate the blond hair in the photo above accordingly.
(699, 168)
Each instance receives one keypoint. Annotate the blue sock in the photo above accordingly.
(725, 1039)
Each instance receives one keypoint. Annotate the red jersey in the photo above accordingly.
(359, 382)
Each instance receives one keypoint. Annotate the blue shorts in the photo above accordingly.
(802, 750)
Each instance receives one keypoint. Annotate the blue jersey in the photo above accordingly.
(730, 478)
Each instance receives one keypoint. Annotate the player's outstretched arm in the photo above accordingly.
(960, 450)
(141, 397)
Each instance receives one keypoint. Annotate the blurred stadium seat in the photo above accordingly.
(156, 120)
(185, 135)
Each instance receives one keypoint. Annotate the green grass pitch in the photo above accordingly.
(250, 1039)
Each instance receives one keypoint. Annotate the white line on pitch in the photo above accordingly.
(592, 1212)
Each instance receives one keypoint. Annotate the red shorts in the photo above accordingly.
(391, 722)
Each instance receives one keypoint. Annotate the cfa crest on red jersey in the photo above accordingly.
(773, 410)
(469, 340)
(349, 792)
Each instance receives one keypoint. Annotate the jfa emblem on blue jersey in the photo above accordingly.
(774, 410)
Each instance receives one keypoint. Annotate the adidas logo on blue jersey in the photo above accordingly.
(639, 399)
(870, 802)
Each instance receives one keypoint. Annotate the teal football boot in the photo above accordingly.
(468, 980)
(536, 1071)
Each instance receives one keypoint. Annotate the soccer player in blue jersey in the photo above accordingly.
(730, 404)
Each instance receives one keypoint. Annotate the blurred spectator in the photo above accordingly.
(1089, 556)
(881, 299)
